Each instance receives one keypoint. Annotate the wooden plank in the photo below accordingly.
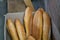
(15, 6)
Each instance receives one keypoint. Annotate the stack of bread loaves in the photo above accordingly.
(36, 26)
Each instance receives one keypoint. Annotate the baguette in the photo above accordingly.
(31, 38)
(28, 3)
(37, 24)
(20, 30)
(11, 29)
(28, 18)
(46, 26)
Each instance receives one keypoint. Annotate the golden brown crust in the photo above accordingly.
(28, 3)
(11, 29)
(20, 30)
(30, 38)
(37, 24)
(46, 26)
(28, 20)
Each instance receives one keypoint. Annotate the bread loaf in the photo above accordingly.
(20, 30)
(28, 18)
(46, 26)
(38, 24)
(30, 38)
(11, 29)
(28, 3)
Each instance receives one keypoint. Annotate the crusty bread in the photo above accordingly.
(37, 27)
(28, 18)
(28, 3)
(20, 30)
(46, 26)
(37, 24)
(11, 29)
(30, 38)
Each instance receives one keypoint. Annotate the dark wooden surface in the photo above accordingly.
(15, 6)
(3, 7)
(2, 18)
